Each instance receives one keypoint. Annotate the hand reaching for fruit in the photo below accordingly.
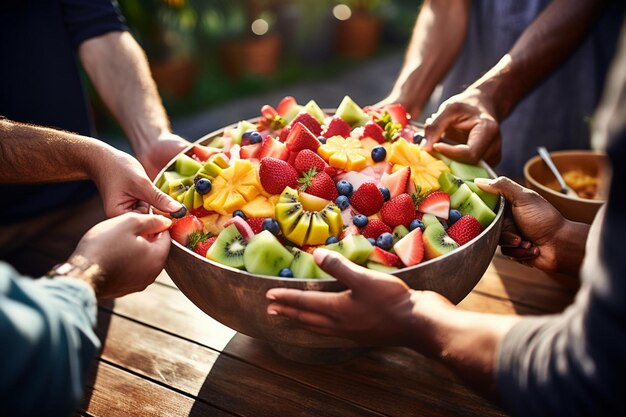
(536, 233)
(160, 152)
(129, 249)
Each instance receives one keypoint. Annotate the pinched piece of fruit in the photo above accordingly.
(425, 169)
(233, 188)
(344, 153)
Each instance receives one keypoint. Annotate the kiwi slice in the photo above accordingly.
(265, 255)
(186, 165)
(460, 195)
(354, 247)
(476, 208)
(468, 172)
(437, 242)
(441, 157)
(429, 219)
(449, 183)
(168, 176)
(304, 266)
(380, 267)
(490, 199)
(349, 111)
(314, 110)
(399, 232)
(228, 248)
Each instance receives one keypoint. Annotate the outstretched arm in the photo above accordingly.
(119, 70)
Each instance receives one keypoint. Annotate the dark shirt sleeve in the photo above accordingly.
(47, 343)
(86, 19)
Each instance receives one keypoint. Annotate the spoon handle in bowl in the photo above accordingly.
(545, 155)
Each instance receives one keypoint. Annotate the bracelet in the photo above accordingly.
(79, 267)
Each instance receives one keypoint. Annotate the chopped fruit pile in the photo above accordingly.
(262, 196)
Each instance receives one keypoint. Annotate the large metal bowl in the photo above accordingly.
(237, 298)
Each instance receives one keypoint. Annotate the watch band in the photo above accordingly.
(77, 266)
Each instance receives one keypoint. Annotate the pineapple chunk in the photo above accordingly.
(425, 169)
(344, 153)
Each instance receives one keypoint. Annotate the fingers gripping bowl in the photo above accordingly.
(233, 292)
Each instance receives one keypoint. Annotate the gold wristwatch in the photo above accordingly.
(77, 266)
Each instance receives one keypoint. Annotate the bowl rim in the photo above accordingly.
(554, 193)
(482, 163)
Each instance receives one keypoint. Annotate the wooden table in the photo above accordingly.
(162, 356)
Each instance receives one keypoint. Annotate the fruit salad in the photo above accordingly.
(263, 195)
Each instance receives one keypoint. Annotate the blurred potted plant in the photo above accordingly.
(360, 27)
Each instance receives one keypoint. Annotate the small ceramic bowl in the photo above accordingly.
(540, 179)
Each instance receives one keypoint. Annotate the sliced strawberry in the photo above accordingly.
(367, 199)
(337, 127)
(250, 151)
(348, 231)
(307, 159)
(375, 228)
(309, 121)
(400, 210)
(275, 149)
(256, 223)
(182, 228)
(373, 112)
(242, 226)
(383, 257)
(268, 112)
(437, 203)
(374, 131)
(396, 182)
(410, 249)
(203, 246)
(204, 152)
(464, 229)
(284, 132)
(200, 212)
(319, 184)
(300, 137)
(276, 174)
(398, 113)
(286, 106)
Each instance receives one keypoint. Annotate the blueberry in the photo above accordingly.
(331, 240)
(239, 213)
(385, 192)
(453, 216)
(415, 223)
(379, 153)
(342, 202)
(322, 139)
(385, 241)
(180, 213)
(271, 225)
(417, 138)
(360, 221)
(203, 186)
(246, 134)
(255, 137)
(345, 188)
(372, 241)
(285, 273)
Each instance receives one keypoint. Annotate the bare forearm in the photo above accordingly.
(437, 38)
(543, 46)
(119, 70)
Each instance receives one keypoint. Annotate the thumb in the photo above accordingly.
(345, 271)
(508, 188)
(162, 201)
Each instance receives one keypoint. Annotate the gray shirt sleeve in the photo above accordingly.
(47, 343)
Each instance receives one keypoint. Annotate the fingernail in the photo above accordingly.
(319, 255)
(483, 181)
(423, 143)
(272, 312)
(270, 296)
(178, 210)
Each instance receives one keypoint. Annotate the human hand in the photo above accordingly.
(536, 233)
(468, 117)
(130, 251)
(376, 309)
(124, 185)
(160, 152)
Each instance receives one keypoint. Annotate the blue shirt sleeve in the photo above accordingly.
(87, 19)
(47, 343)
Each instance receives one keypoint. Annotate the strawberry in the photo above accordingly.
(272, 147)
(396, 182)
(256, 223)
(309, 121)
(285, 105)
(410, 249)
(375, 228)
(437, 203)
(398, 211)
(270, 119)
(200, 212)
(242, 226)
(348, 231)
(307, 159)
(337, 127)
(284, 132)
(464, 229)
(183, 228)
(300, 137)
(276, 174)
(250, 151)
(202, 153)
(398, 114)
(203, 246)
(319, 184)
(367, 199)
(374, 131)
(383, 257)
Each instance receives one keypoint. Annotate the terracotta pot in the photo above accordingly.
(175, 75)
(359, 36)
(259, 55)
